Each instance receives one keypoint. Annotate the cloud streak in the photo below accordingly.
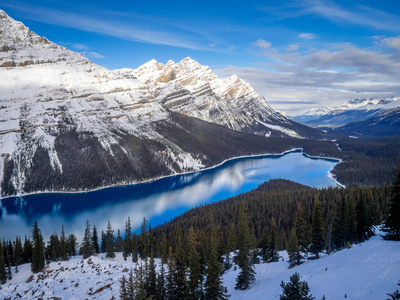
(127, 30)
(296, 81)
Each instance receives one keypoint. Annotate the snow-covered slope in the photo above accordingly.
(89, 126)
(367, 271)
(351, 111)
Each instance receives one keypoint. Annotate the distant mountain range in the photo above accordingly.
(386, 123)
(352, 111)
(69, 124)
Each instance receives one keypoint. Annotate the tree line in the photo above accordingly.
(196, 248)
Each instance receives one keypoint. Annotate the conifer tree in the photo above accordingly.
(293, 249)
(103, 242)
(3, 272)
(7, 260)
(247, 274)
(63, 245)
(180, 266)
(273, 255)
(144, 242)
(110, 241)
(18, 253)
(301, 228)
(213, 288)
(363, 228)
(195, 276)
(128, 239)
(38, 262)
(295, 289)
(27, 250)
(119, 242)
(11, 252)
(151, 280)
(95, 241)
(392, 222)
(123, 295)
(54, 247)
(230, 247)
(170, 279)
(72, 243)
(317, 230)
(135, 251)
(87, 245)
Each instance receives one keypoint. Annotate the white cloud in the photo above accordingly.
(120, 28)
(93, 55)
(260, 43)
(307, 36)
(212, 45)
(292, 47)
(297, 81)
(392, 42)
(80, 47)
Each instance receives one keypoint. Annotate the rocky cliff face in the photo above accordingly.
(67, 123)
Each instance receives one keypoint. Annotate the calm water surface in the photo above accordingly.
(158, 201)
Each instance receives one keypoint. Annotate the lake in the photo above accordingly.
(159, 200)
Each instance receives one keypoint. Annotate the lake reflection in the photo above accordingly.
(158, 201)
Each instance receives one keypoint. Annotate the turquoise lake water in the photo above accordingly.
(159, 200)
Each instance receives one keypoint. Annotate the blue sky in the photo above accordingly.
(297, 54)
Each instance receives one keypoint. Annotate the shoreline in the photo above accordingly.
(294, 150)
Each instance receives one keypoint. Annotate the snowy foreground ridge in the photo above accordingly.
(367, 271)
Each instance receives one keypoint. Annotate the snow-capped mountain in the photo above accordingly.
(351, 111)
(189, 88)
(67, 123)
(386, 123)
(312, 114)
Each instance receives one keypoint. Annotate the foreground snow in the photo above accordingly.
(366, 271)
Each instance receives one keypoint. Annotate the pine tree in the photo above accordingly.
(63, 245)
(170, 279)
(295, 289)
(54, 247)
(317, 230)
(293, 249)
(247, 274)
(301, 228)
(103, 242)
(144, 243)
(273, 255)
(87, 246)
(195, 276)
(392, 222)
(151, 280)
(128, 239)
(7, 260)
(180, 266)
(71, 245)
(123, 287)
(18, 253)
(213, 288)
(27, 250)
(3, 272)
(135, 251)
(95, 241)
(38, 262)
(119, 242)
(110, 241)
